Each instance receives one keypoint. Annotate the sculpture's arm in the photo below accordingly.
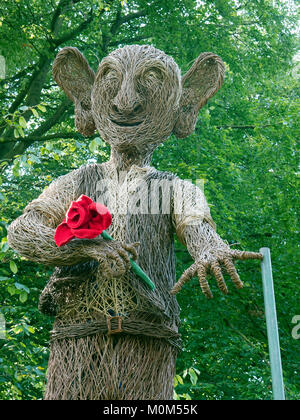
(32, 234)
(196, 230)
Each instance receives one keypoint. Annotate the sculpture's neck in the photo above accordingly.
(123, 160)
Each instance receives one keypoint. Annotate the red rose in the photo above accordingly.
(84, 219)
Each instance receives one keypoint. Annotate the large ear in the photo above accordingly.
(200, 83)
(74, 75)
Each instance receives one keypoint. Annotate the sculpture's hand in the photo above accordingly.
(113, 256)
(214, 264)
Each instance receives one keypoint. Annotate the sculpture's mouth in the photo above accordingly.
(127, 123)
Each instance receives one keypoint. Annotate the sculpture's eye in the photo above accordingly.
(109, 80)
(154, 74)
(149, 81)
(108, 72)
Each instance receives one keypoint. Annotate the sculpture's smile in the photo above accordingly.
(127, 123)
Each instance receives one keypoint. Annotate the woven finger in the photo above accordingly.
(118, 261)
(186, 276)
(246, 255)
(125, 257)
(231, 270)
(201, 270)
(216, 269)
(132, 249)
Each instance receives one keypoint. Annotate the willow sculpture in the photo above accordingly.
(113, 337)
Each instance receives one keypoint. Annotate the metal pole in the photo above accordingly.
(272, 326)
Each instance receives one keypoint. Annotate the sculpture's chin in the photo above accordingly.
(143, 134)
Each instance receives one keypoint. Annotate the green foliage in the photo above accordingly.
(244, 148)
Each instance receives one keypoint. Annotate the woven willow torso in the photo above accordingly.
(94, 297)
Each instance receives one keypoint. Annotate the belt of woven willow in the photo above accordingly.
(116, 325)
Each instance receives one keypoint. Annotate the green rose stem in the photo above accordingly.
(135, 268)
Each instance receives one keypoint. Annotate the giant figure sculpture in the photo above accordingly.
(113, 337)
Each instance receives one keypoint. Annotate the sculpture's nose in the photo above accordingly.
(127, 109)
(127, 100)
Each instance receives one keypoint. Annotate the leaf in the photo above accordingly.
(23, 297)
(41, 108)
(16, 167)
(16, 133)
(4, 247)
(179, 379)
(33, 158)
(35, 113)
(22, 122)
(193, 376)
(55, 156)
(21, 132)
(13, 267)
(72, 148)
(23, 108)
(20, 286)
(93, 146)
(49, 146)
(18, 329)
(99, 141)
(11, 290)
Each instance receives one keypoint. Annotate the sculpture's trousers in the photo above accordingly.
(117, 367)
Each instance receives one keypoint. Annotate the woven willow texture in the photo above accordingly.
(120, 367)
(136, 100)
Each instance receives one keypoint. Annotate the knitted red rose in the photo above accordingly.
(84, 219)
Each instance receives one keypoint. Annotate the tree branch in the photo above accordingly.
(128, 41)
(34, 85)
(245, 127)
(75, 32)
(32, 139)
(118, 22)
(131, 16)
(60, 7)
(16, 76)
(8, 152)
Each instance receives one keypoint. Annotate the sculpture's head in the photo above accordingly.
(137, 98)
